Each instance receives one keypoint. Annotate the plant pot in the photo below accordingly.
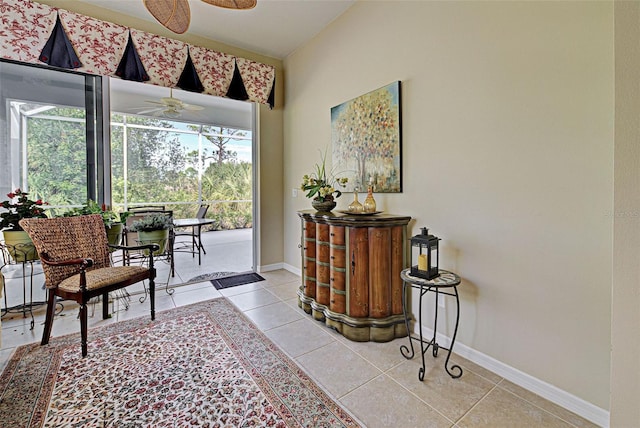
(20, 246)
(114, 234)
(323, 206)
(159, 237)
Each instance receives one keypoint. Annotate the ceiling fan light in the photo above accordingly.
(171, 114)
(233, 4)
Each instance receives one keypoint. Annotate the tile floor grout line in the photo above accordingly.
(420, 399)
(476, 403)
(536, 405)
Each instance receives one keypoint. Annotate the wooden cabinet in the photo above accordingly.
(351, 273)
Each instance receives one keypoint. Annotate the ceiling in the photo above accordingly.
(273, 28)
(133, 97)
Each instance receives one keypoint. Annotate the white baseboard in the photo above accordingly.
(292, 269)
(267, 268)
(552, 393)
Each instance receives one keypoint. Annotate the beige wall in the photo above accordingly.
(507, 112)
(625, 336)
(270, 125)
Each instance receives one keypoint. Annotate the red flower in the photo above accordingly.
(11, 195)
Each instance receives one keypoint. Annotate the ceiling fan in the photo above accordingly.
(176, 15)
(169, 106)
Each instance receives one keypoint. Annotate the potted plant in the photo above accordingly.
(16, 240)
(321, 186)
(153, 229)
(113, 221)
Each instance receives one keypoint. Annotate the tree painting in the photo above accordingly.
(365, 133)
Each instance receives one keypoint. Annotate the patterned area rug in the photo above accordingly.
(202, 365)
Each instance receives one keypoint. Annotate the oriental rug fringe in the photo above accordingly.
(201, 365)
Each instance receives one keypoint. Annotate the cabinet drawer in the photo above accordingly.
(337, 301)
(336, 235)
(322, 232)
(337, 257)
(309, 230)
(337, 279)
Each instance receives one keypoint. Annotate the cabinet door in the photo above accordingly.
(338, 295)
(309, 250)
(322, 264)
(398, 245)
(358, 293)
(379, 272)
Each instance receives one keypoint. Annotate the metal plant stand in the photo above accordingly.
(23, 253)
(446, 280)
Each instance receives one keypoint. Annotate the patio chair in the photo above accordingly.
(75, 260)
(196, 231)
(132, 238)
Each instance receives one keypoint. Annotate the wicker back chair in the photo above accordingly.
(75, 259)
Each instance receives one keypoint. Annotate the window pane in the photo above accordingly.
(43, 121)
(56, 155)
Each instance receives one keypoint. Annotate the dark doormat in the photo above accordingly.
(232, 281)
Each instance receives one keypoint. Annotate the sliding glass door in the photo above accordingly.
(66, 138)
(48, 135)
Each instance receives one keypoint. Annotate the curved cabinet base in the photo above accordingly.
(356, 329)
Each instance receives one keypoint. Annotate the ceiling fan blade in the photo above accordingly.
(154, 102)
(233, 4)
(150, 110)
(192, 107)
(172, 14)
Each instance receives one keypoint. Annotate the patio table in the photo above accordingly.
(193, 223)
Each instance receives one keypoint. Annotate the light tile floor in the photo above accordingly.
(372, 380)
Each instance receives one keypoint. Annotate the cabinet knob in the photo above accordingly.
(332, 234)
(332, 257)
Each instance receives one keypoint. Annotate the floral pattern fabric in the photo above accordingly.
(163, 58)
(202, 365)
(27, 25)
(99, 44)
(25, 28)
(214, 68)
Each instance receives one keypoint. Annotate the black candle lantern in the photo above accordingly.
(424, 255)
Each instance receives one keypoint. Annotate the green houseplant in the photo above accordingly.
(321, 186)
(17, 241)
(153, 229)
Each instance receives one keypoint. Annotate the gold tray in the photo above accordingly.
(355, 213)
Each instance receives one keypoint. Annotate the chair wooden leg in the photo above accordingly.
(105, 306)
(48, 322)
(152, 297)
(83, 328)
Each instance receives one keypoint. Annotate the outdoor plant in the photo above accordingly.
(91, 207)
(152, 222)
(19, 206)
(320, 184)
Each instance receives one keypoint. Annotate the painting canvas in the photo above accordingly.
(365, 136)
